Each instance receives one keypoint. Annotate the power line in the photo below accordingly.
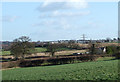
(83, 37)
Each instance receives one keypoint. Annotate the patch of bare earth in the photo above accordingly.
(69, 52)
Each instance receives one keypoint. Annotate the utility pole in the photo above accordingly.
(83, 37)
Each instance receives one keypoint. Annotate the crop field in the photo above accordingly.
(99, 70)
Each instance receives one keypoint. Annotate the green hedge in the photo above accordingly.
(56, 61)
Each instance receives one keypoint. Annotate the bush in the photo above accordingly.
(60, 61)
(93, 58)
(117, 55)
(10, 64)
(50, 61)
(56, 61)
(112, 50)
(30, 63)
(87, 58)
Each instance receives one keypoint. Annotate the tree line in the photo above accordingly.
(23, 45)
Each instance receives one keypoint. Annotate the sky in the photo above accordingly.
(47, 21)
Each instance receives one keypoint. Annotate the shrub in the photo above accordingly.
(50, 61)
(112, 50)
(117, 55)
(10, 64)
(30, 63)
(87, 58)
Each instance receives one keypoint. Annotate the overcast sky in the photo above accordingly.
(59, 20)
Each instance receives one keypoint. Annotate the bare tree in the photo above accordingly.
(52, 48)
(21, 46)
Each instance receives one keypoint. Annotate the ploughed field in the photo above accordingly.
(97, 70)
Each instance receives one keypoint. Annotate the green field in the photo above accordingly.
(5, 53)
(105, 58)
(37, 50)
(99, 70)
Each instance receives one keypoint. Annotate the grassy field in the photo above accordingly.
(38, 50)
(5, 53)
(105, 58)
(99, 70)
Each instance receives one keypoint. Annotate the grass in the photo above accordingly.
(38, 50)
(99, 70)
(5, 53)
(105, 58)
